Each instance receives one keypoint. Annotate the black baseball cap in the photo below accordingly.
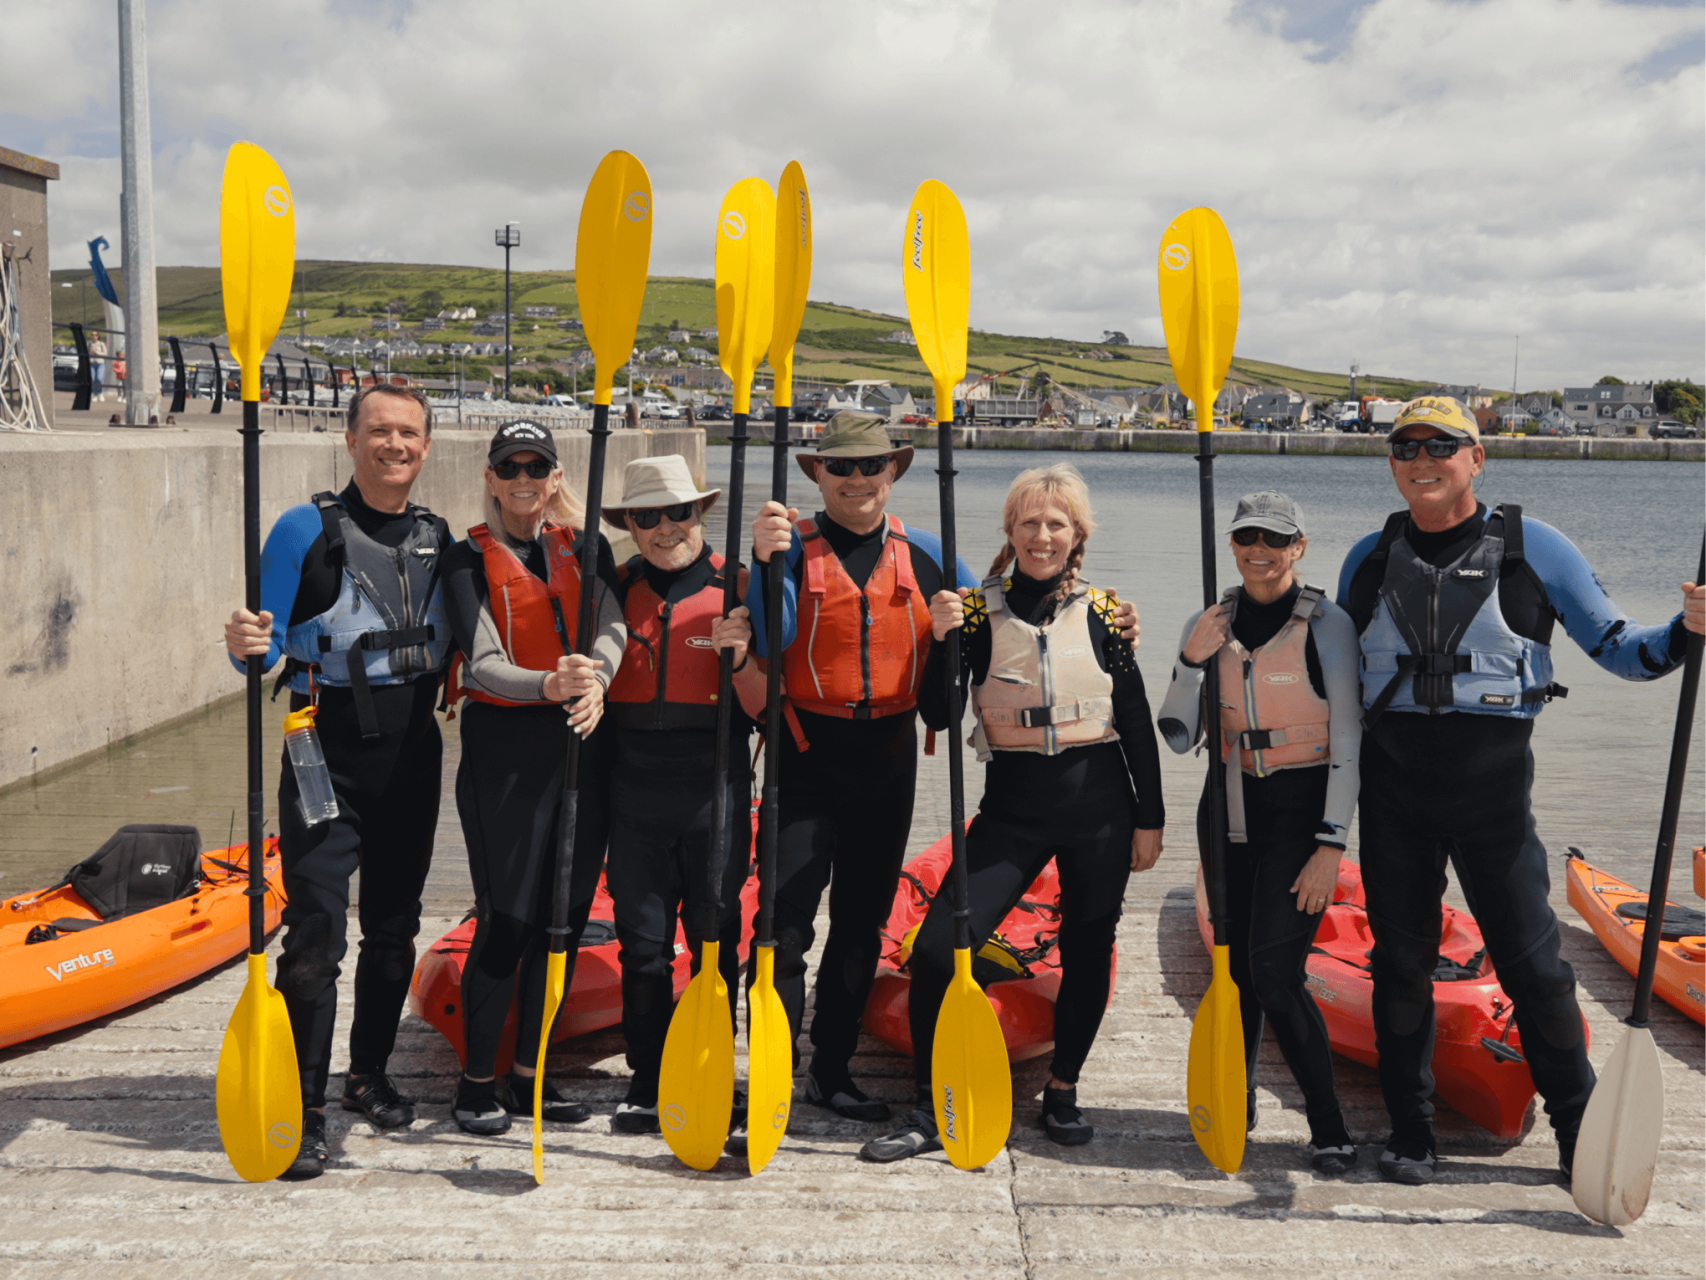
(523, 436)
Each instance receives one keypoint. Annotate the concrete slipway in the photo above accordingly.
(110, 1163)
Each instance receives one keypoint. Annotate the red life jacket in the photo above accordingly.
(668, 676)
(534, 620)
(857, 654)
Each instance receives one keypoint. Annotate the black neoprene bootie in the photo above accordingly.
(311, 1157)
(1062, 1118)
(553, 1106)
(477, 1109)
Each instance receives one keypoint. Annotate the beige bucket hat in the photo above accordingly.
(851, 434)
(658, 482)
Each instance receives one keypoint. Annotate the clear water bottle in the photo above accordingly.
(313, 779)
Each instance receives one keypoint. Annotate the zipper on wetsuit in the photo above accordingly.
(1250, 717)
(1048, 689)
(662, 664)
(1432, 681)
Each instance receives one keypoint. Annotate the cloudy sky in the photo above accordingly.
(1409, 183)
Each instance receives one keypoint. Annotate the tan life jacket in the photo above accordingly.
(1045, 692)
(1269, 710)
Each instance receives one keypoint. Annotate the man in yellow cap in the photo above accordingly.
(1455, 607)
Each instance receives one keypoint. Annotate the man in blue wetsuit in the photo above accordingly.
(355, 576)
(1455, 607)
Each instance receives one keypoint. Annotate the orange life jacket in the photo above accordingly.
(668, 676)
(857, 654)
(1269, 710)
(535, 620)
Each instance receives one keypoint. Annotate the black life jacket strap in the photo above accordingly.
(331, 522)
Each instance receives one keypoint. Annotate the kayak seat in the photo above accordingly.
(140, 867)
(1680, 922)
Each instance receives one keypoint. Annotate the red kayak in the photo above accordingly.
(1019, 968)
(1477, 1064)
(594, 999)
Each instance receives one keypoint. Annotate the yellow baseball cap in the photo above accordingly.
(1437, 411)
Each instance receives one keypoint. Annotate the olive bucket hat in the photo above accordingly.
(855, 435)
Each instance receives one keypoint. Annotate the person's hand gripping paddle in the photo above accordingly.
(1617, 1148)
(770, 1040)
(970, 1079)
(258, 1089)
(696, 1081)
(1199, 311)
(612, 249)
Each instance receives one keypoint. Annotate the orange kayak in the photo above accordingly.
(1020, 972)
(78, 976)
(1616, 912)
(1477, 1064)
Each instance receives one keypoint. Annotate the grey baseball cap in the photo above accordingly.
(1267, 510)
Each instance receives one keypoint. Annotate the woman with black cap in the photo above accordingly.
(512, 593)
(1291, 705)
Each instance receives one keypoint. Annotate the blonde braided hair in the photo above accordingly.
(1062, 484)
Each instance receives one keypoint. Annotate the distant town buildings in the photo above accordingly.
(1591, 407)
(539, 312)
(458, 313)
(680, 335)
(432, 324)
(902, 337)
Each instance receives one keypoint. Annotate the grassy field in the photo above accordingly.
(837, 344)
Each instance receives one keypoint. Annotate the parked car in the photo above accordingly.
(714, 413)
(1670, 429)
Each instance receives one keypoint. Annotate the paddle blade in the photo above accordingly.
(1198, 277)
(770, 1064)
(1214, 1082)
(556, 969)
(936, 269)
(970, 1078)
(746, 282)
(258, 1090)
(613, 247)
(1618, 1146)
(793, 275)
(696, 1084)
(257, 255)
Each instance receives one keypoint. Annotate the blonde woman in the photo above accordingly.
(1072, 774)
(512, 593)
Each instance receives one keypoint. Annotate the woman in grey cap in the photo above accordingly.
(1291, 705)
(512, 593)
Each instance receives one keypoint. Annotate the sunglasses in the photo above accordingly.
(1278, 541)
(536, 470)
(1437, 447)
(648, 517)
(844, 467)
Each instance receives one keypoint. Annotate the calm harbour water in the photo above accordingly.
(1601, 754)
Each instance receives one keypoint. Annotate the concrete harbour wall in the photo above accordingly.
(125, 557)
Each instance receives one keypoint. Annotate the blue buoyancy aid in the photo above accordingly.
(389, 610)
(1438, 640)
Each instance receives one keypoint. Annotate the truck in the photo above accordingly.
(1377, 414)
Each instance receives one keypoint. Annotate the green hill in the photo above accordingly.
(836, 343)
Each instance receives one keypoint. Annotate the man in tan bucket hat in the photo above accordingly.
(663, 703)
(856, 630)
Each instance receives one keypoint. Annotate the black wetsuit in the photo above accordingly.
(846, 812)
(660, 845)
(509, 793)
(388, 793)
(1078, 808)
(1268, 938)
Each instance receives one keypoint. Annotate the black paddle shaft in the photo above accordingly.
(720, 815)
(1653, 929)
(770, 812)
(583, 644)
(1211, 702)
(251, 433)
(945, 474)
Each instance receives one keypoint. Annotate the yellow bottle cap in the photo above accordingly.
(303, 719)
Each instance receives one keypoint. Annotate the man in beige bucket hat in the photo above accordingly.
(663, 703)
(856, 630)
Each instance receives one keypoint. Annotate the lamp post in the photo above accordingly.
(507, 237)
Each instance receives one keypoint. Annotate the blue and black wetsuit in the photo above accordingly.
(387, 785)
(1455, 632)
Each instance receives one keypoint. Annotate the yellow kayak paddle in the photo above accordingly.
(970, 1079)
(612, 249)
(258, 1090)
(1199, 311)
(769, 1037)
(696, 1081)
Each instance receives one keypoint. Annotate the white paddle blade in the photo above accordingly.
(1618, 1147)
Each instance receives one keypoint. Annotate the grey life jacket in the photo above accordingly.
(387, 625)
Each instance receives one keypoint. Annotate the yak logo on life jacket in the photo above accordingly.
(1280, 677)
(1469, 573)
(699, 642)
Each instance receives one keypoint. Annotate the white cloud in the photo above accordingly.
(1409, 183)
